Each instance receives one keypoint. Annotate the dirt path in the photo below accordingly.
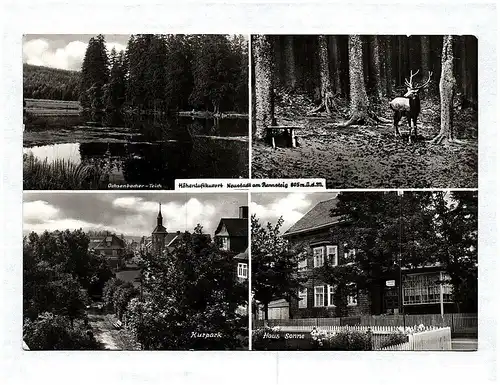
(108, 336)
(368, 157)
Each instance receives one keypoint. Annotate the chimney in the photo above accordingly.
(243, 212)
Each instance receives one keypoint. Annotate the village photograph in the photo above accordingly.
(131, 271)
(366, 111)
(133, 111)
(364, 271)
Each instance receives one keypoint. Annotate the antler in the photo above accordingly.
(409, 83)
(427, 82)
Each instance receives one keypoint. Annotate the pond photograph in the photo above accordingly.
(122, 111)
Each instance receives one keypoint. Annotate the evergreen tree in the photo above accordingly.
(93, 77)
(114, 90)
(178, 75)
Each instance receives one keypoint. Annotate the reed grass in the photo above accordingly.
(60, 174)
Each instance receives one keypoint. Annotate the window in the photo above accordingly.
(319, 257)
(242, 270)
(352, 298)
(224, 241)
(349, 255)
(425, 289)
(332, 255)
(331, 295)
(319, 296)
(303, 264)
(115, 252)
(303, 298)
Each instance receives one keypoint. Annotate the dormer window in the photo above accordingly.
(224, 242)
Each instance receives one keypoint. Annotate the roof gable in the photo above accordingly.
(317, 217)
(235, 227)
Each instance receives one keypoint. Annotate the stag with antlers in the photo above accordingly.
(408, 105)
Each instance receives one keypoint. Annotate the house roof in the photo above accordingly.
(101, 242)
(236, 227)
(242, 256)
(316, 218)
(159, 229)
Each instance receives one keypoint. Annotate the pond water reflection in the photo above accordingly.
(148, 151)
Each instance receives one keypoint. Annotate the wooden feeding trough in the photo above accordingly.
(287, 131)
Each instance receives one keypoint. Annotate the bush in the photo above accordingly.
(344, 340)
(394, 339)
(54, 332)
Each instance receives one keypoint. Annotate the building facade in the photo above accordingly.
(422, 290)
(232, 235)
(112, 247)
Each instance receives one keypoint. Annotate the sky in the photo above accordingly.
(268, 207)
(64, 51)
(131, 214)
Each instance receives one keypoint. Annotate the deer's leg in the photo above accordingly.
(415, 128)
(397, 117)
(410, 125)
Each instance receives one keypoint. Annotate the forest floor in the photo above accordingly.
(369, 156)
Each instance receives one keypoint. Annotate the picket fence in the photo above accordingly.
(460, 323)
(438, 339)
(379, 334)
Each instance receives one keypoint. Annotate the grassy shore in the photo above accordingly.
(60, 175)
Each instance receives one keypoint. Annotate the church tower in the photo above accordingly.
(159, 234)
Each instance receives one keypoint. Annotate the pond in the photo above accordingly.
(148, 152)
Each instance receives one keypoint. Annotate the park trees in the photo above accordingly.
(274, 264)
(59, 274)
(188, 291)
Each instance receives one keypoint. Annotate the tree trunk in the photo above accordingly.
(400, 60)
(264, 105)
(278, 61)
(425, 49)
(446, 89)
(290, 76)
(463, 72)
(383, 64)
(358, 95)
(266, 313)
(335, 60)
(388, 62)
(375, 66)
(326, 93)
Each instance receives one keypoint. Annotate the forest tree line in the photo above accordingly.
(364, 69)
(161, 73)
(50, 83)
(387, 61)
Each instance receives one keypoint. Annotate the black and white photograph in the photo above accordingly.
(132, 271)
(366, 111)
(365, 271)
(133, 111)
